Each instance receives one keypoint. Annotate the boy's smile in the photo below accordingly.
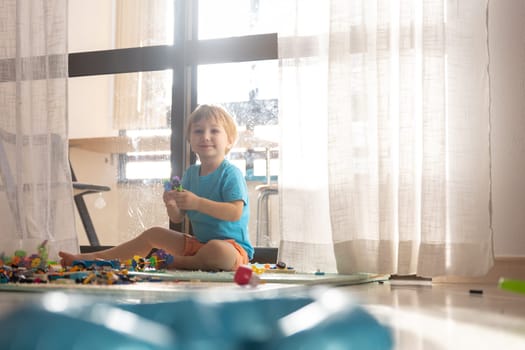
(209, 140)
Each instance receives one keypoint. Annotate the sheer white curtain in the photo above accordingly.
(385, 137)
(36, 201)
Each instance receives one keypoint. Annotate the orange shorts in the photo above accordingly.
(192, 246)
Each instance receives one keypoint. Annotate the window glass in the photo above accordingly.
(148, 167)
(150, 161)
(228, 18)
(119, 129)
(119, 24)
(251, 97)
(249, 91)
(105, 105)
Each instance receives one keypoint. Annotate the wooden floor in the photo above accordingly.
(420, 314)
(426, 315)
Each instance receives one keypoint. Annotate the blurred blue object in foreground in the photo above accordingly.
(312, 319)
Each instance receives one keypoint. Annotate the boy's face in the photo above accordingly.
(209, 139)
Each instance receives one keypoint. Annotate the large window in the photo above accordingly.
(159, 59)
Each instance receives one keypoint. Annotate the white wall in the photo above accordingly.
(507, 72)
(90, 106)
(91, 28)
(91, 25)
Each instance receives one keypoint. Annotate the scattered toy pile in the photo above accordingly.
(36, 268)
(280, 267)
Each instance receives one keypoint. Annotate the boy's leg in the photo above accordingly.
(156, 237)
(214, 255)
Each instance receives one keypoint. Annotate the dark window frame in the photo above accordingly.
(183, 58)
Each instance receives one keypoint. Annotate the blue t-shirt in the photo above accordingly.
(225, 184)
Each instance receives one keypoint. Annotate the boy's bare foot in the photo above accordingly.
(67, 258)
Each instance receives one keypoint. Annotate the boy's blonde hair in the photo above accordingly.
(217, 114)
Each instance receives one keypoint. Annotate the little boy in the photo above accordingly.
(214, 198)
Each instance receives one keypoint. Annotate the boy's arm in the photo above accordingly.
(176, 216)
(227, 211)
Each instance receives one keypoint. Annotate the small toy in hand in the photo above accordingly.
(174, 184)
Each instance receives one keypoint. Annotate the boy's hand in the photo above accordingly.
(186, 200)
(175, 214)
(169, 199)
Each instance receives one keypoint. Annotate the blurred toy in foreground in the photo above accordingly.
(307, 319)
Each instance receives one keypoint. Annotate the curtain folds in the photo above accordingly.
(36, 201)
(385, 137)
